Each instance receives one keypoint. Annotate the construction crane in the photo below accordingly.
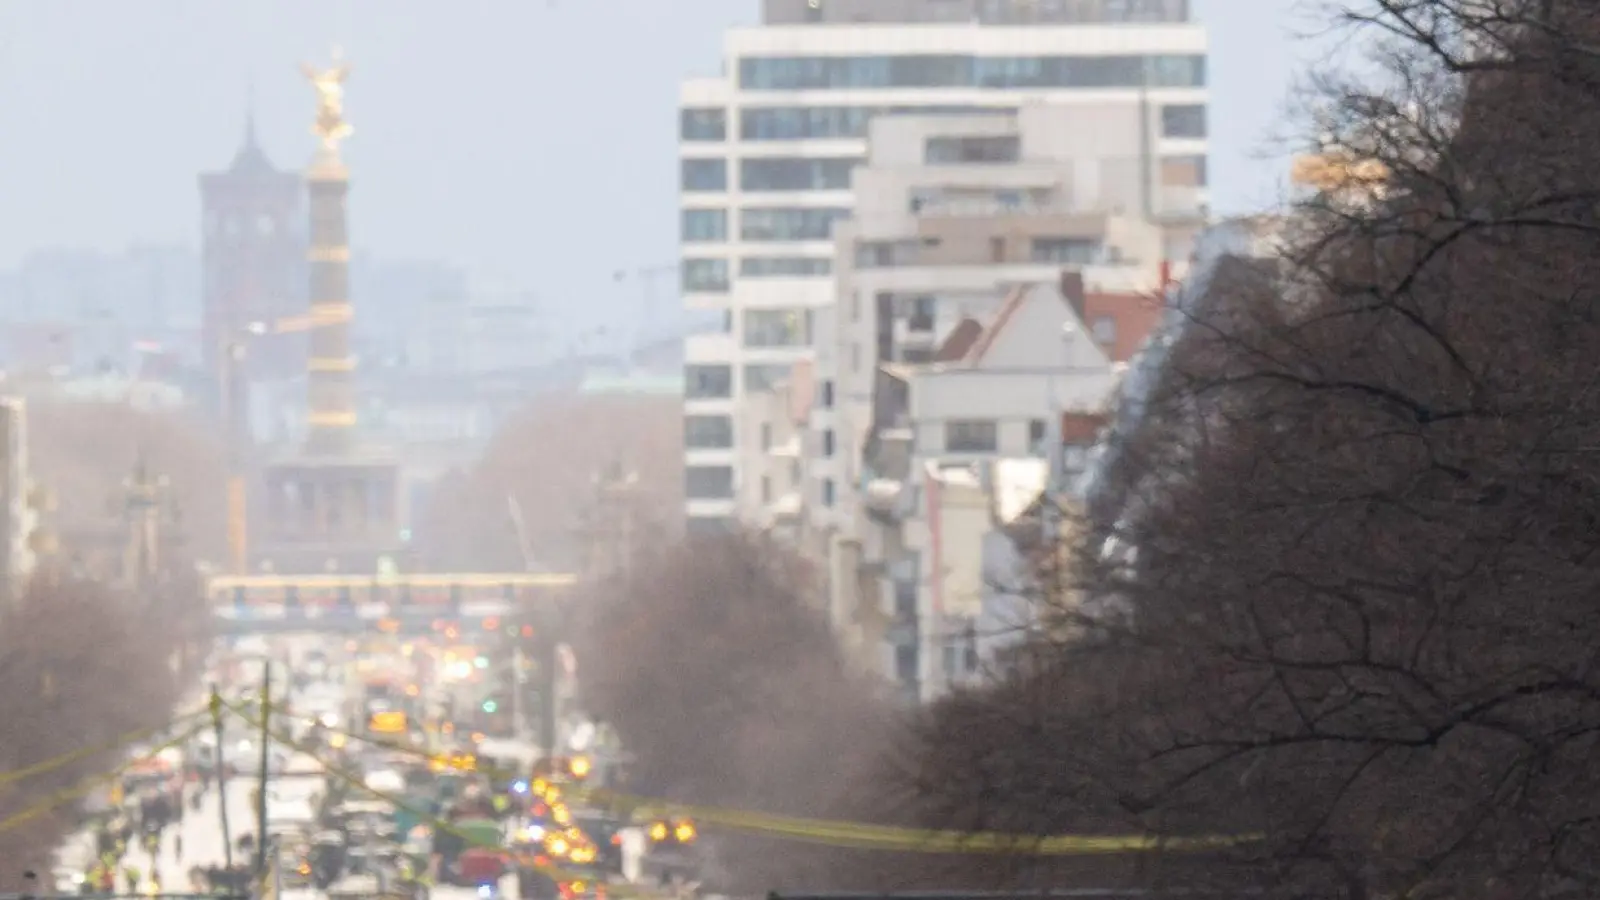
(233, 357)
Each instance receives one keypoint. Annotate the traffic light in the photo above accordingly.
(490, 706)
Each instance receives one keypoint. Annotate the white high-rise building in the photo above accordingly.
(768, 150)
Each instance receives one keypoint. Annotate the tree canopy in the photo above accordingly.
(1356, 612)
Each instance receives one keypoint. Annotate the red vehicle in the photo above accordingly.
(479, 865)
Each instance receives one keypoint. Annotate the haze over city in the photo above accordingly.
(799, 449)
(486, 132)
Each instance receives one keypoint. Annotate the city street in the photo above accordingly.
(201, 831)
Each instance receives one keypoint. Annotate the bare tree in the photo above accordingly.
(1354, 608)
(546, 459)
(82, 452)
(82, 666)
(721, 674)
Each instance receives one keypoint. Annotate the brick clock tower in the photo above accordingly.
(333, 506)
(253, 256)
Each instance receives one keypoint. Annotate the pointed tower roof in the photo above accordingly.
(251, 159)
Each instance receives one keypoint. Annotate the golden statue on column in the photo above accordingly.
(330, 126)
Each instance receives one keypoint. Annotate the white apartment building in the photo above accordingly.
(768, 151)
(1007, 199)
(1032, 373)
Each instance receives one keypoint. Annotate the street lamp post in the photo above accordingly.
(235, 423)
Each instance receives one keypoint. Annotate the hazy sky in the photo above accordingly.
(528, 140)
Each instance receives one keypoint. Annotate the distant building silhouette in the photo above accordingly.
(253, 263)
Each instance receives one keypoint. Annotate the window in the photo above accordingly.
(906, 662)
(777, 327)
(1183, 120)
(706, 276)
(970, 436)
(789, 224)
(766, 376)
(799, 123)
(705, 175)
(793, 173)
(707, 382)
(708, 482)
(708, 432)
(784, 266)
(703, 124)
(1176, 71)
(766, 489)
(827, 442)
(766, 436)
(997, 249)
(799, 73)
(827, 492)
(1183, 171)
(704, 226)
(1029, 12)
(972, 149)
(708, 526)
(1071, 251)
(1104, 329)
(1036, 433)
(826, 394)
(920, 312)
(885, 254)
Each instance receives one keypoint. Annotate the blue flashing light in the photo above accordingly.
(519, 787)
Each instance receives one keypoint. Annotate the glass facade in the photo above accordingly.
(784, 266)
(703, 124)
(776, 328)
(705, 175)
(707, 382)
(705, 276)
(708, 482)
(1183, 120)
(789, 224)
(796, 173)
(801, 73)
(956, 150)
(1072, 251)
(704, 226)
(708, 432)
(798, 123)
(766, 376)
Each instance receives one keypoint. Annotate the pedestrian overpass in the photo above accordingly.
(403, 604)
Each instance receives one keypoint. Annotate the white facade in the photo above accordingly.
(930, 498)
(772, 462)
(768, 152)
(929, 245)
